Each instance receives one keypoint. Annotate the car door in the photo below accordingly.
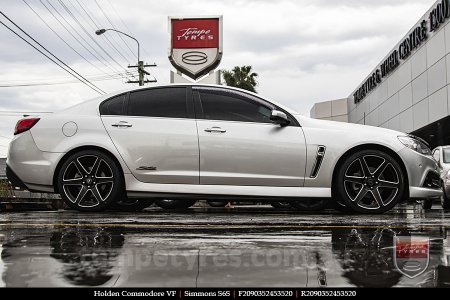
(239, 145)
(155, 132)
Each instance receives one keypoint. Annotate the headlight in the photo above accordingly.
(415, 144)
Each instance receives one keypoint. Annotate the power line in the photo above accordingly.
(74, 37)
(95, 27)
(85, 43)
(84, 80)
(61, 38)
(58, 83)
(110, 22)
(87, 32)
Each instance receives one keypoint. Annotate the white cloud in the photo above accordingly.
(305, 51)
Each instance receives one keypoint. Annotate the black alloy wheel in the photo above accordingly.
(90, 181)
(370, 181)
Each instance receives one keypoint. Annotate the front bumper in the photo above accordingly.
(423, 175)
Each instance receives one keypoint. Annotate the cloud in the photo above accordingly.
(305, 51)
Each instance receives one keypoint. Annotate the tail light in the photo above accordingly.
(25, 124)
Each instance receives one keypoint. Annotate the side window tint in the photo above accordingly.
(219, 105)
(159, 102)
(113, 106)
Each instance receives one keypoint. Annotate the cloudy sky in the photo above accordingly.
(305, 51)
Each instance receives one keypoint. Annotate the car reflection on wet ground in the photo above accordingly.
(240, 247)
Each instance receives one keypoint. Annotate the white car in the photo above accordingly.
(442, 156)
(188, 142)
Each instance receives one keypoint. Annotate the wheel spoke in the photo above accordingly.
(96, 194)
(354, 179)
(380, 169)
(75, 181)
(80, 167)
(102, 180)
(377, 196)
(95, 166)
(387, 184)
(365, 167)
(362, 192)
(81, 194)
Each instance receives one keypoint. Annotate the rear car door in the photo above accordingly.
(239, 145)
(155, 132)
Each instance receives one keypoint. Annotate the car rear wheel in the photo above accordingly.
(131, 204)
(175, 204)
(370, 181)
(90, 181)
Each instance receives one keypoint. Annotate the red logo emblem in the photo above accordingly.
(195, 44)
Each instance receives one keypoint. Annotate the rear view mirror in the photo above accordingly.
(279, 117)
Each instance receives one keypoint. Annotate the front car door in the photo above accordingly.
(239, 145)
(155, 132)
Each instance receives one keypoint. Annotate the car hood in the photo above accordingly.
(347, 127)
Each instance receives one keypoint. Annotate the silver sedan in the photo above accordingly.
(189, 142)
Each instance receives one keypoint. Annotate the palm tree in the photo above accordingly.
(241, 77)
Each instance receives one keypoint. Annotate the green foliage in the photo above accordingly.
(241, 77)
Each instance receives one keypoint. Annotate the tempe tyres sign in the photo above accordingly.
(414, 40)
(195, 44)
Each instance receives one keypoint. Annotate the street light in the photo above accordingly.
(140, 64)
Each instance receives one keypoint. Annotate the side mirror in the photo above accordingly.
(279, 117)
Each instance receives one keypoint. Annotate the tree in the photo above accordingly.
(241, 77)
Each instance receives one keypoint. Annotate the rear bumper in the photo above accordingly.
(30, 167)
(14, 179)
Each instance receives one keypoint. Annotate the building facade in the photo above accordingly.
(334, 110)
(409, 89)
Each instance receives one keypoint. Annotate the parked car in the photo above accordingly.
(442, 156)
(188, 142)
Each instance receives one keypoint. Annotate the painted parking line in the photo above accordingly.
(226, 226)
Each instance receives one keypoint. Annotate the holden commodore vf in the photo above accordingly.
(189, 142)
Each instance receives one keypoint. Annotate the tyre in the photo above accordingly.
(370, 181)
(281, 204)
(131, 204)
(90, 181)
(445, 200)
(427, 203)
(217, 203)
(311, 204)
(175, 204)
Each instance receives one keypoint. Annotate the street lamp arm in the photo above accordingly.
(101, 31)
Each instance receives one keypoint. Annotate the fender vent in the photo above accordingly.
(318, 162)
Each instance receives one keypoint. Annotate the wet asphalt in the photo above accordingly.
(245, 246)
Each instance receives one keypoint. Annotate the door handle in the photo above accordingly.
(122, 124)
(215, 129)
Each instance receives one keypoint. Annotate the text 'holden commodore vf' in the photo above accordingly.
(189, 142)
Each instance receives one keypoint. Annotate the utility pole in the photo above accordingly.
(141, 70)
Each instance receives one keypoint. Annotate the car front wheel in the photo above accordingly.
(370, 181)
(90, 181)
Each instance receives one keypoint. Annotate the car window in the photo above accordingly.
(446, 156)
(436, 154)
(161, 102)
(218, 105)
(113, 106)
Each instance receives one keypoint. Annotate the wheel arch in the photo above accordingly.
(78, 149)
(378, 147)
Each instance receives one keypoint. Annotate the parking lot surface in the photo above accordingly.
(245, 246)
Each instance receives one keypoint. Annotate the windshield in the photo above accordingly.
(446, 156)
